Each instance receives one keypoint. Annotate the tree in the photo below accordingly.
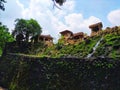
(34, 28)
(28, 28)
(2, 4)
(4, 36)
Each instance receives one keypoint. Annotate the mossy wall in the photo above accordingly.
(28, 73)
(22, 72)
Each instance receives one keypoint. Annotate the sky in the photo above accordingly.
(74, 15)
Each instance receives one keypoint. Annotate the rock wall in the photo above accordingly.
(28, 73)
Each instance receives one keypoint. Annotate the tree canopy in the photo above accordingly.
(28, 28)
(4, 36)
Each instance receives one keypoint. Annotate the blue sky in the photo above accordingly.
(98, 8)
(75, 15)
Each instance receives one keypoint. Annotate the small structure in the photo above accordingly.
(47, 39)
(71, 38)
(79, 35)
(95, 28)
(67, 34)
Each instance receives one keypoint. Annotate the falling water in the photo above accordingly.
(94, 48)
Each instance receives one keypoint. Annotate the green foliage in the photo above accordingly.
(109, 47)
(4, 37)
(30, 73)
(79, 50)
(28, 28)
(34, 27)
(61, 40)
(36, 48)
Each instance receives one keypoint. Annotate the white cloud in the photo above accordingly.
(114, 17)
(12, 11)
(20, 5)
(54, 20)
(51, 20)
(69, 5)
(77, 23)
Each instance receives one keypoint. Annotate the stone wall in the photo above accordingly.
(31, 73)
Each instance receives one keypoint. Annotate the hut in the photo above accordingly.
(47, 39)
(95, 28)
(79, 35)
(71, 38)
(66, 34)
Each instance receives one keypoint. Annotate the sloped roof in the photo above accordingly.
(46, 37)
(95, 25)
(78, 34)
(66, 31)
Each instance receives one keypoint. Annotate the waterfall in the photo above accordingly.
(94, 48)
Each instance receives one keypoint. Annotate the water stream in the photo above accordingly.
(94, 48)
